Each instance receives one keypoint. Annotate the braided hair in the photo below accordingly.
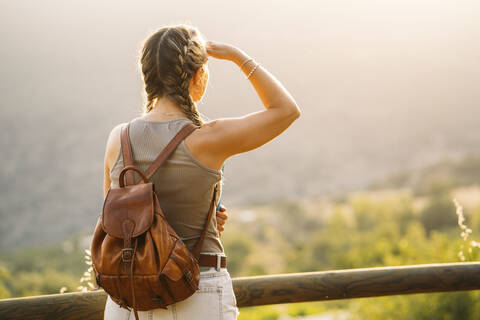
(169, 59)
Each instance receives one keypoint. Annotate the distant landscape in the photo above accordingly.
(407, 218)
(393, 88)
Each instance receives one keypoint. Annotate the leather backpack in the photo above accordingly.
(137, 257)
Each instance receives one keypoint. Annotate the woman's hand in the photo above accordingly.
(221, 219)
(221, 50)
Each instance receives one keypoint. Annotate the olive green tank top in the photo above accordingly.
(183, 184)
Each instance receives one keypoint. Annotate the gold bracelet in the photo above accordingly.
(245, 61)
(254, 68)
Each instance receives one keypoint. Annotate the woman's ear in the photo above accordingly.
(198, 83)
(196, 78)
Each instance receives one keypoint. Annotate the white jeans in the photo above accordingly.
(214, 300)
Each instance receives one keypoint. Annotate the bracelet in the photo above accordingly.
(254, 68)
(245, 61)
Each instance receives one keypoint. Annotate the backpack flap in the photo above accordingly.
(134, 203)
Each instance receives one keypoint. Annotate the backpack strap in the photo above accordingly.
(198, 246)
(127, 153)
(167, 151)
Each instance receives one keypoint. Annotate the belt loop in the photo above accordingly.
(219, 262)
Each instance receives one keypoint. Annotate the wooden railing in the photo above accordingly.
(274, 289)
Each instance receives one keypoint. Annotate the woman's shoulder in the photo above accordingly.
(198, 145)
(114, 135)
(113, 144)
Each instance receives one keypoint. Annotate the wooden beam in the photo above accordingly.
(356, 283)
(273, 289)
(88, 305)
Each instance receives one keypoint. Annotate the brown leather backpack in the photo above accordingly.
(138, 259)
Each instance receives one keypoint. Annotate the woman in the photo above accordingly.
(175, 74)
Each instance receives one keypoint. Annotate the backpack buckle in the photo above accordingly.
(127, 257)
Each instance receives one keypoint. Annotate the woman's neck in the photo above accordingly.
(164, 109)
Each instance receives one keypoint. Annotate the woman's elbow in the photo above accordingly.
(296, 112)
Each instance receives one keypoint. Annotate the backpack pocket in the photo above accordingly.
(178, 283)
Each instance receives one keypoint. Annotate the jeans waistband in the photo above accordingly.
(212, 272)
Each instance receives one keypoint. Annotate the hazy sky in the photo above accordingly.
(367, 75)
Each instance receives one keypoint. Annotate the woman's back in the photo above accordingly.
(184, 187)
(183, 184)
(174, 69)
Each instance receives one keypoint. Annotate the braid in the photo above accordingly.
(151, 76)
(182, 93)
(187, 61)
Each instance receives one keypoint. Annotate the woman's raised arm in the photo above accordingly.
(228, 136)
